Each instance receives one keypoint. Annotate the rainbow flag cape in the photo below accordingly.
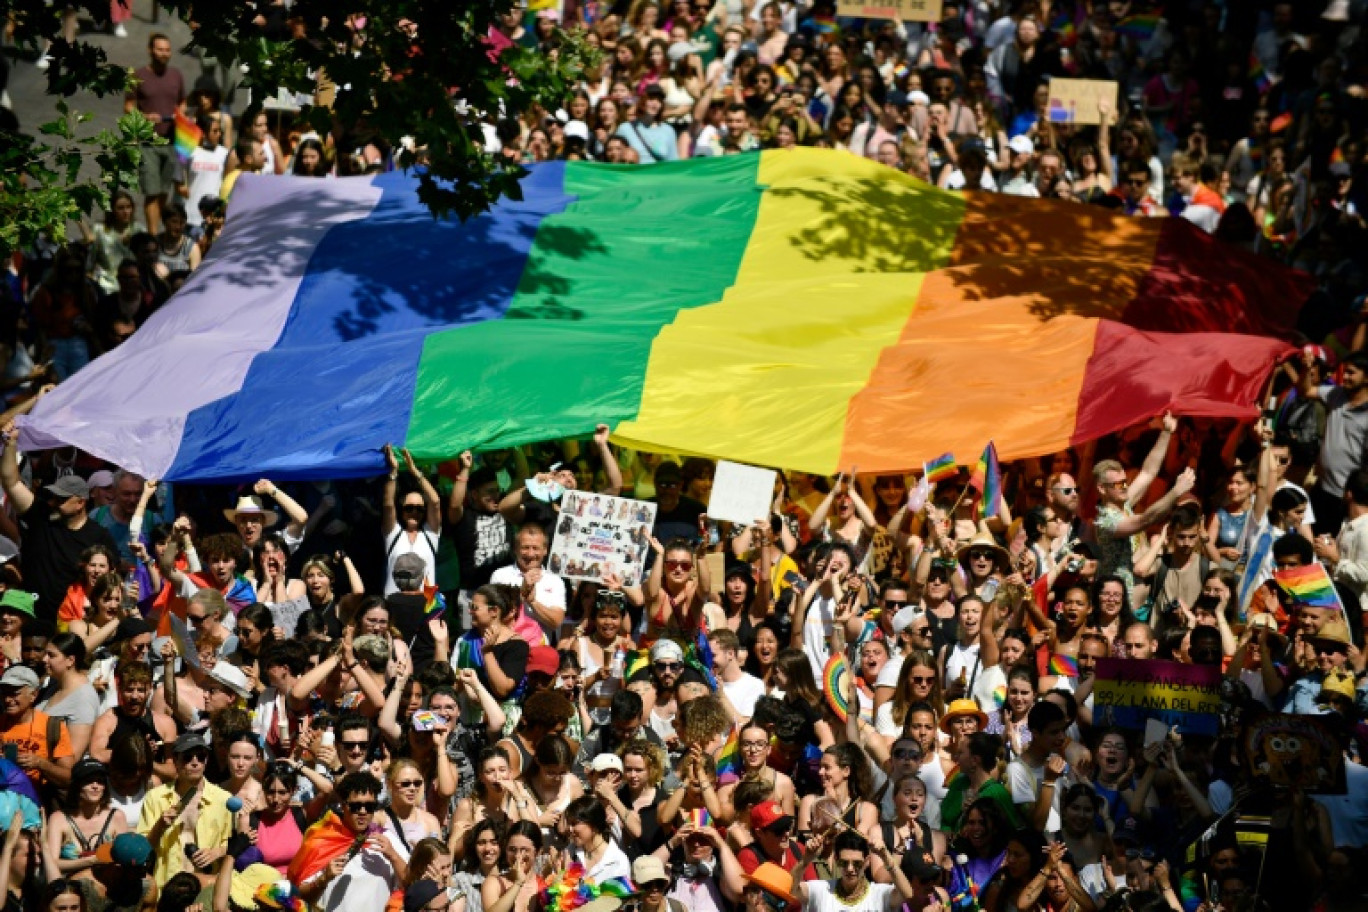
(1309, 585)
(239, 594)
(1257, 75)
(941, 468)
(436, 602)
(561, 311)
(729, 759)
(986, 478)
(1141, 26)
(323, 842)
(187, 137)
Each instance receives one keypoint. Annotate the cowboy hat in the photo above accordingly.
(251, 504)
(773, 879)
(961, 708)
(1334, 631)
(983, 540)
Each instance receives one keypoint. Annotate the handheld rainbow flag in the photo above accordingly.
(986, 478)
(1336, 155)
(1309, 585)
(1063, 665)
(1141, 27)
(1281, 122)
(1257, 75)
(729, 760)
(940, 468)
(699, 817)
(824, 25)
(470, 651)
(187, 137)
(436, 602)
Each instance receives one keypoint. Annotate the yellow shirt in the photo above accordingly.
(212, 830)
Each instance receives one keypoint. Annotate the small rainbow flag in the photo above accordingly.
(1281, 122)
(436, 602)
(1000, 696)
(1336, 155)
(572, 890)
(825, 25)
(699, 817)
(1309, 585)
(729, 759)
(1063, 665)
(986, 478)
(1141, 26)
(940, 468)
(470, 651)
(1063, 27)
(1257, 75)
(187, 137)
(279, 895)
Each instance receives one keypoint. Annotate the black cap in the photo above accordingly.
(920, 866)
(419, 894)
(189, 741)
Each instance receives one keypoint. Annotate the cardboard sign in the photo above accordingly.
(597, 534)
(1289, 751)
(741, 493)
(1129, 692)
(1074, 101)
(905, 10)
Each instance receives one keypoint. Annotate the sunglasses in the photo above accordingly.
(920, 632)
(1075, 490)
(895, 603)
(355, 745)
(780, 831)
(363, 807)
(919, 679)
(409, 784)
(668, 666)
(849, 863)
(197, 754)
(907, 753)
(678, 565)
(980, 555)
(414, 508)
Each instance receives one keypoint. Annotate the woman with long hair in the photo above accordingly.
(548, 786)
(804, 722)
(270, 560)
(430, 859)
(95, 562)
(109, 239)
(243, 760)
(764, 651)
(1111, 615)
(373, 619)
(1079, 807)
(745, 603)
(655, 65)
(320, 587)
(918, 682)
(982, 844)
(489, 799)
(1009, 720)
(753, 744)
(104, 613)
(85, 822)
(279, 827)
(75, 702)
(908, 831)
(643, 769)
(514, 889)
(847, 790)
(482, 851)
(1091, 166)
(595, 644)
(676, 590)
(591, 843)
(1022, 865)
(1226, 543)
(310, 159)
(406, 817)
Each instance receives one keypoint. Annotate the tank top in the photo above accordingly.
(279, 842)
(922, 838)
(179, 259)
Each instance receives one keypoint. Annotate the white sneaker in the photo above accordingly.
(120, 31)
(43, 62)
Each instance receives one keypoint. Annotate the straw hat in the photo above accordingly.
(1266, 622)
(1334, 631)
(960, 708)
(250, 505)
(773, 879)
(983, 540)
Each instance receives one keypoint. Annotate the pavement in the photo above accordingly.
(33, 106)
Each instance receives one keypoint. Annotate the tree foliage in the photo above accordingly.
(421, 74)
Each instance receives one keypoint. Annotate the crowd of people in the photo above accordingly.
(378, 694)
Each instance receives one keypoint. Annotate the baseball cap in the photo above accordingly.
(130, 849)
(19, 676)
(648, 868)
(409, 570)
(1341, 169)
(188, 742)
(88, 769)
(905, 616)
(231, 677)
(69, 486)
(678, 51)
(918, 97)
(544, 659)
(575, 129)
(920, 866)
(100, 479)
(1021, 145)
(604, 762)
(768, 813)
(130, 627)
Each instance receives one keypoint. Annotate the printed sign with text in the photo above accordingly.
(905, 10)
(1076, 101)
(1128, 692)
(599, 535)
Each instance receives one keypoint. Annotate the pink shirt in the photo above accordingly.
(279, 842)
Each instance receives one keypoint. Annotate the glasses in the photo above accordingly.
(197, 755)
(363, 807)
(414, 508)
(668, 666)
(895, 603)
(919, 679)
(655, 886)
(1123, 484)
(920, 632)
(844, 863)
(355, 745)
(197, 618)
(754, 745)
(780, 830)
(678, 565)
(980, 555)
(907, 753)
(409, 784)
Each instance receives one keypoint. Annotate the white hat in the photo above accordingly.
(905, 616)
(231, 677)
(101, 479)
(605, 762)
(252, 505)
(918, 97)
(1021, 145)
(577, 129)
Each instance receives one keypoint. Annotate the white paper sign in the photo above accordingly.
(286, 614)
(741, 493)
(1156, 730)
(597, 534)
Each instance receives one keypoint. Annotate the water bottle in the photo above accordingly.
(619, 663)
(130, 603)
(327, 739)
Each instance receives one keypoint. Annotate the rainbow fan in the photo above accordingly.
(835, 684)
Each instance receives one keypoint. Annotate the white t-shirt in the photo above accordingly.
(366, 882)
(203, 177)
(743, 692)
(550, 590)
(817, 633)
(878, 898)
(888, 675)
(1023, 782)
(424, 545)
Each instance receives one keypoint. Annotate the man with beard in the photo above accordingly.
(133, 682)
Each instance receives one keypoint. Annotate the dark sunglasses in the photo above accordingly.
(197, 754)
(678, 565)
(355, 745)
(363, 807)
(895, 603)
(668, 666)
(907, 753)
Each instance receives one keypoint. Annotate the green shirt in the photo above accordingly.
(952, 805)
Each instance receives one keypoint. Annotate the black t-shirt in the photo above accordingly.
(51, 555)
(483, 545)
(409, 618)
(681, 522)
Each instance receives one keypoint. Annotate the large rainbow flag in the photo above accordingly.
(805, 309)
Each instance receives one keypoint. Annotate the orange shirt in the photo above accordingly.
(31, 736)
(73, 607)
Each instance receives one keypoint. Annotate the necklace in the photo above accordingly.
(855, 899)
